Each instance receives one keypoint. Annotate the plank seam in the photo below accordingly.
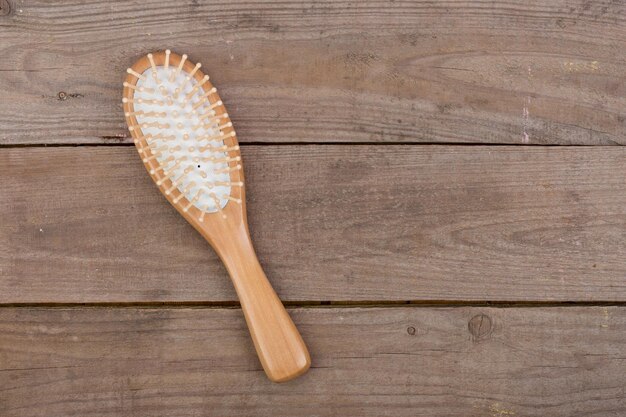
(326, 304)
(335, 143)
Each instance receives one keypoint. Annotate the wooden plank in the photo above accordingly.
(340, 222)
(369, 71)
(473, 362)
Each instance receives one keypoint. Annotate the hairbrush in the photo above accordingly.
(187, 143)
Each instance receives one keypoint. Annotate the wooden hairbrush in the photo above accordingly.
(188, 145)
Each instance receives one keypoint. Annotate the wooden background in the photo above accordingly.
(436, 189)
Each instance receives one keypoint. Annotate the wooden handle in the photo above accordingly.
(280, 347)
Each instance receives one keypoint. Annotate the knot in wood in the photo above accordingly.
(480, 327)
(411, 330)
(5, 8)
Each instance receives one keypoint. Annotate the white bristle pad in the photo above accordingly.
(174, 120)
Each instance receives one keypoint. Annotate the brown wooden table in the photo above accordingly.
(437, 190)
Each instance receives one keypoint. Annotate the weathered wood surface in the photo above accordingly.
(340, 222)
(472, 362)
(368, 71)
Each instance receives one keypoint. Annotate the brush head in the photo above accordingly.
(183, 134)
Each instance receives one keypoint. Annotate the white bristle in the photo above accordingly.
(135, 74)
(207, 114)
(161, 148)
(177, 182)
(195, 88)
(193, 200)
(162, 166)
(204, 212)
(154, 71)
(205, 97)
(169, 172)
(184, 192)
(139, 139)
(180, 66)
(211, 117)
(231, 198)
(154, 156)
(219, 138)
(131, 86)
(220, 160)
(140, 89)
(182, 87)
(217, 203)
(155, 124)
(228, 183)
(155, 114)
(229, 169)
(194, 70)
(224, 148)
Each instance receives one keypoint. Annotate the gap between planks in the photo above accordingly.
(326, 304)
(329, 143)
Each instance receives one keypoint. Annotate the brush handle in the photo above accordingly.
(280, 347)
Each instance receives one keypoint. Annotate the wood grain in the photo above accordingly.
(542, 72)
(330, 222)
(366, 362)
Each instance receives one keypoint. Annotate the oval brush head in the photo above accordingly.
(188, 145)
(184, 134)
